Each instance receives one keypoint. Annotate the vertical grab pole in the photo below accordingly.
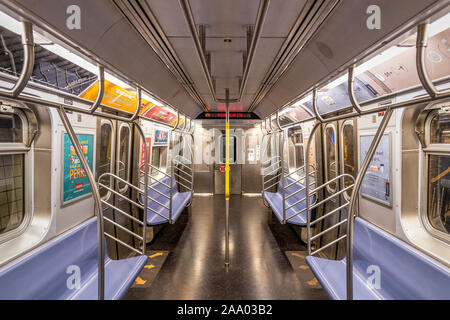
(227, 180)
(308, 213)
(172, 163)
(283, 182)
(144, 143)
(354, 197)
(97, 201)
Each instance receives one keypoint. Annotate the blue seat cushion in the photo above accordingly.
(405, 272)
(179, 201)
(43, 273)
(275, 201)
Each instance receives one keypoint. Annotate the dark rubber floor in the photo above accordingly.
(195, 269)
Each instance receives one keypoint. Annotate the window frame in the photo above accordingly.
(119, 150)
(328, 187)
(347, 123)
(13, 148)
(103, 122)
(438, 149)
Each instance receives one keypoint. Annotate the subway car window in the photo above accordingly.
(330, 145)
(12, 172)
(11, 191)
(232, 149)
(10, 128)
(439, 192)
(299, 149)
(439, 172)
(104, 161)
(348, 150)
(124, 153)
(440, 129)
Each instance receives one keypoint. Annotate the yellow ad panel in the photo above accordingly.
(116, 97)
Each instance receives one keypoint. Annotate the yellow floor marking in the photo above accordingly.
(298, 255)
(303, 267)
(149, 266)
(313, 282)
(139, 280)
(156, 255)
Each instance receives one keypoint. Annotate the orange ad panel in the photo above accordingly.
(116, 97)
(119, 98)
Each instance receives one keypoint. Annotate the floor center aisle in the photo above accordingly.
(195, 269)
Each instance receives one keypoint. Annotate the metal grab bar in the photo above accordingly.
(185, 172)
(268, 160)
(276, 164)
(310, 207)
(298, 169)
(122, 243)
(329, 229)
(329, 244)
(298, 180)
(122, 212)
(299, 190)
(330, 213)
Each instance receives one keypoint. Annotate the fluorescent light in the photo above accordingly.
(439, 25)
(149, 98)
(15, 26)
(302, 101)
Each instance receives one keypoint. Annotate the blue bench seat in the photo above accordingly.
(405, 272)
(275, 201)
(179, 202)
(44, 273)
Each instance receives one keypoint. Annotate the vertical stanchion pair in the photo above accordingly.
(227, 179)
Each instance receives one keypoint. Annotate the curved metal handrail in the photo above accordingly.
(101, 89)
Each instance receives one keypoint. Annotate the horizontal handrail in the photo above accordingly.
(299, 190)
(177, 162)
(122, 243)
(122, 212)
(298, 180)
(158, 213)
(275, 176)
(120, 195)
(334, 226)
(296, 214)
(329, 244)
(331, 196)
(268, 160)
(295, 203)
(123, 228)
(187, 173)
(179, 176)
(266, 188)
(154, 200)
(298, 169)
(333, 180)
(330, 213)
(277, 165)
(182, 184)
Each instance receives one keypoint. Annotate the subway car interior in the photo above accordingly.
(225, 150)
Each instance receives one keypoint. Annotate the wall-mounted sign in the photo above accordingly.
(75, 181)
(161, 136)
(233, 115)
(377, 181)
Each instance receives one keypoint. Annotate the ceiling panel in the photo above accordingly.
(343, 36)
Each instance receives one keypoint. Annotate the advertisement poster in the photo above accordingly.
(148, 141)
(116, 97)
(161, 136)
(75, 181)
(377, 181)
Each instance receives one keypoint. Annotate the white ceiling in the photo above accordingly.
(109, 35)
